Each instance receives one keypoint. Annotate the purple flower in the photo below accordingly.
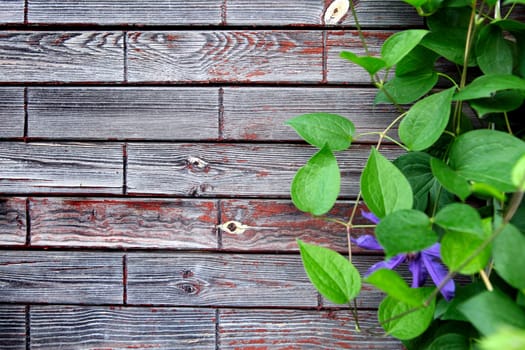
(421, 264)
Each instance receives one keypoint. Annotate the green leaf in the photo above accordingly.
(400, 44)
(449, 179)
(415, 3)
(449, 44)
(487, 156)
(316, 185)
(398, 319)
(460, 218)
(416, 168)
(501, 101)
(331, 273)
(407, 88)
(450, 341)
(489, 311)
(426, 120)
(507, 338)
(418, 61)
(384, 188)
(487, 85)
(494, 54)
(514, 2)
(518, 174)
(405, 231)
(509, 259)
(371, 64)
(320, 129)
(457, 247)
(391, 283)
(484, 190)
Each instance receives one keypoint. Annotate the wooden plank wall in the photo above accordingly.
(130, 131)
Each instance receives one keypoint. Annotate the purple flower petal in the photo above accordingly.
(417, 268)
(370, 216)
(434, 250)
(389, 264)
(438, 272)
(367, 242)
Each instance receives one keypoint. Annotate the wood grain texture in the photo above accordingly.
(275, 225)
(118, 223)
(390, 13)
(12, 11)
(152, 12)
(231, 170)
(261, 113)
(95, 327)
(340, 70)
(12, 327)
(11, 111)
(123, 113)
(225, 56)
(186, 279)
(236, 280)
(293, 329)
(13, 221)
(61, 56)
(60, 168)
(60, 277)
(385, 14)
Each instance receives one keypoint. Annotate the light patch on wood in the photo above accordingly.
(336, 11)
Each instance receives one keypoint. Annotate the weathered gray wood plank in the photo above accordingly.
(236, 280)
(60, 277)
(231, 169)
(293, 329)
(95, 327)
(225, 56)
(152, 12)
(60, 167)
(12, 327)
(261, 113)
(340, 70)
(13, 221)
(61, 56)
(12, 11)
(218, 279)
(384, 14)
(390, 13)
(275, 225)
(123, 113)
(11, 111)
(129, 223)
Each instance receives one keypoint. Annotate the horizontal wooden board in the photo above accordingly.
(236, 280)
(293, 329)
(384, 14)
(371, 13)
(218, 279)
(123, 113)
(261, 113)
(13, 327)
(13, 221)
(152, 12)
(60, 167)
(225, 56)
(117, 223)
(61, 56)
(95, 327)
(11, 111)
(275, 225)
(60, 277)
(231, 170)
(340, 70)
(12, 11)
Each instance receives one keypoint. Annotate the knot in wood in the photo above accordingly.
(233, 227)
(197, 164)
(336, 11)
(188, 287)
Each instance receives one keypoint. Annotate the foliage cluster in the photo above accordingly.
(452, 203)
